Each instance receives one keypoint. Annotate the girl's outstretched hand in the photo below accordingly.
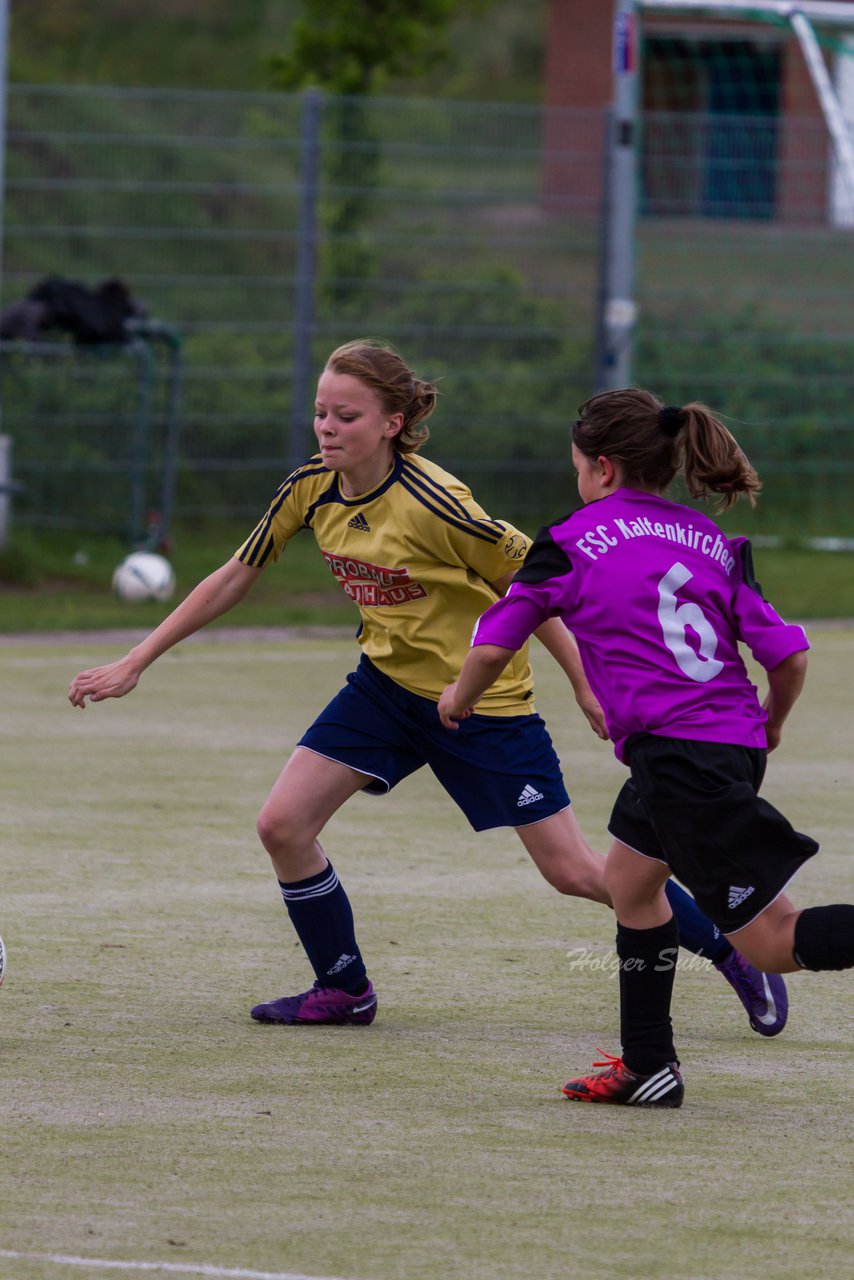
(112, 681)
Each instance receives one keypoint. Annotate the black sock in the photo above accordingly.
(824, 938)
(321, 914)
(647, 968)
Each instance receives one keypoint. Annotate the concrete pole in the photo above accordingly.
(306, 270)
(5, 470)
(5, 489)
(619, 307)
(4, 76)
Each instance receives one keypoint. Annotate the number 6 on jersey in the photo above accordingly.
(676, 618)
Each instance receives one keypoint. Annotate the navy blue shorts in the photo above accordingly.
(502, 771)
(694, 805)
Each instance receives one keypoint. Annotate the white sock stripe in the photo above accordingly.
(317, 891)
(313, 891)
(308, 895)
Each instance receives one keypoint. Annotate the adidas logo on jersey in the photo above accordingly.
(529, 795)
(359, 522)
(737, 895)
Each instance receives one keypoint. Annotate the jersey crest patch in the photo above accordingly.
(516, 547)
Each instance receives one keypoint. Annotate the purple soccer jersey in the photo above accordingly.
(657, 599)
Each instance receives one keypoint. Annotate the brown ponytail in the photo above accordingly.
(653, 442)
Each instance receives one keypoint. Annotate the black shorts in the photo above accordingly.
(694, 805)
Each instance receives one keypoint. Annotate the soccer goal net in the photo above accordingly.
(773, 83)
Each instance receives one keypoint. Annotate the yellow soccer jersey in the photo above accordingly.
(418, 556)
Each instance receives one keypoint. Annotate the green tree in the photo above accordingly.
(354, 46)
(351, 48)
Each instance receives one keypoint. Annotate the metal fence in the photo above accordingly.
(267, 228)
(96, 433)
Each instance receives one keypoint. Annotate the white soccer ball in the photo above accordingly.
(143, 575)
(2, 962)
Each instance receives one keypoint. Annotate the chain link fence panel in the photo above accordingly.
(268, 228)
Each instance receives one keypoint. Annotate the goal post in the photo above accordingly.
(837, 125)
(841, 192)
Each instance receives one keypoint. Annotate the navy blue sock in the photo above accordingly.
(696, 931)
(320, 912)
(647, 969)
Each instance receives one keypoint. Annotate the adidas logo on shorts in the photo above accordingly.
(359, 522)
(528, 795)
(737, 895)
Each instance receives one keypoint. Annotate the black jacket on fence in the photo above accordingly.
(88, 315)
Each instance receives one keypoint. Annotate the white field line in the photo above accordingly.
(169, 1268)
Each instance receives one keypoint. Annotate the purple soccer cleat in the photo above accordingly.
(763, 995)
(321, 1005)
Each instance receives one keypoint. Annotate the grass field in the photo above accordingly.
(146, 1120)
(61, 581)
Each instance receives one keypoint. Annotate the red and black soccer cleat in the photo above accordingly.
(622, 1087)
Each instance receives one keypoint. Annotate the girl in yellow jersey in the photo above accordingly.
(422, 561)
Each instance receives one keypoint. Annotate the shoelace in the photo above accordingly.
(610, 1060)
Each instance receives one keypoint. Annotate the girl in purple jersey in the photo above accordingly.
(658, 600)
